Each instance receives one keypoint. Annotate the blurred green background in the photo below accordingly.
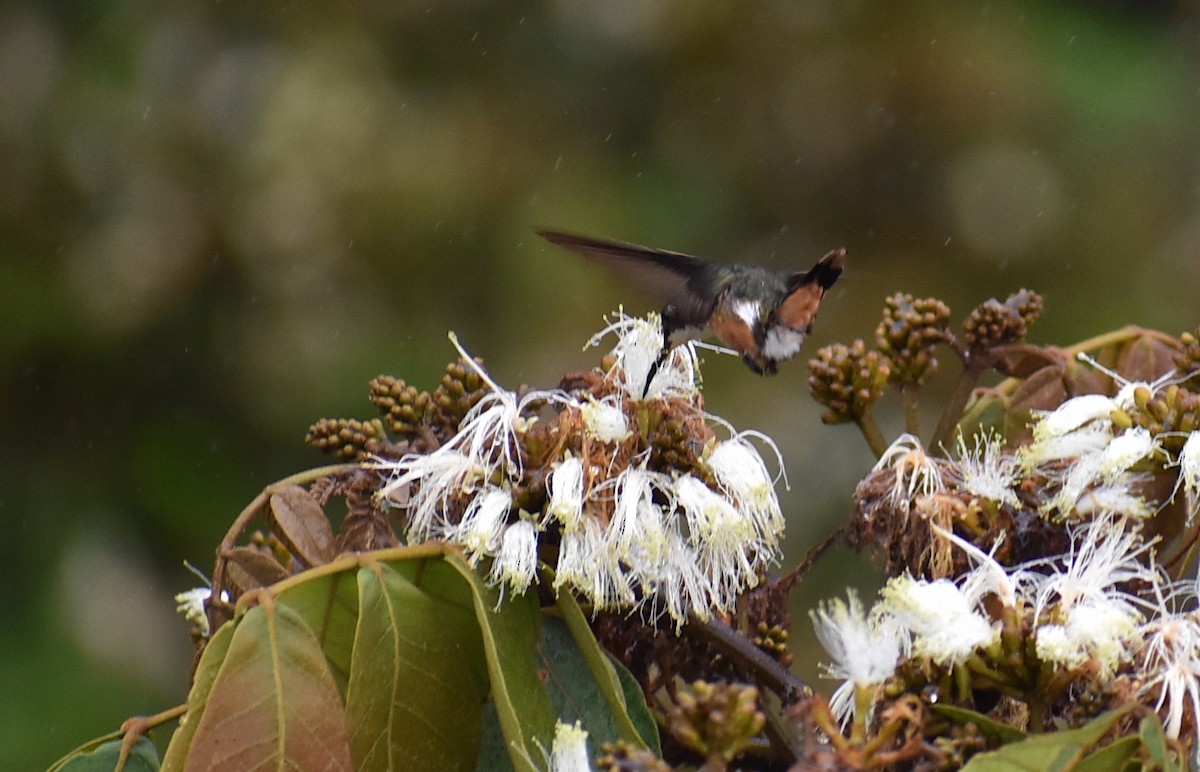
(219, 220)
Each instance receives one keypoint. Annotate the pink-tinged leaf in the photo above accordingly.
(206, 674)
(418, 680)
(274, 704)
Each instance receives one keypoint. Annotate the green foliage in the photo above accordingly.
(1062, 751)
(427, 644)
(142, 757)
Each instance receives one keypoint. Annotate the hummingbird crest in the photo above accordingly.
(762, 314)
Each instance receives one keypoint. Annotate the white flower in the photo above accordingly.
(1071, 415)
(917, 473)
(724, 538)
(491, 430)
(642, 368)
(516, 561)
(1085, 615)
(637, 522)
(1093, 631)
(482, 524)
(191, 605)
(865, 650)
(1126, 450)
(987, 471)
(437, 476)
(741, 473)
(1170, 663)
(988, 576)
(570, 753)
(605, 420)
(1189, 473)
(564, 486)
(1084, 472)
(587, 563)
(682, 587)
(1084, 441)
(942, 618)
(1110, 464)
(1116, 499)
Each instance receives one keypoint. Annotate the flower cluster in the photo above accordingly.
(1066, 599)
(620, 482)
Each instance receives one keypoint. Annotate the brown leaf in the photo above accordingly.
(1145, 359)
(301, 525)
(1033, 361)
(249, 568)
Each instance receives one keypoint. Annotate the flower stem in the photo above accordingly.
(973, 370)
(872, 434)
(912, 408)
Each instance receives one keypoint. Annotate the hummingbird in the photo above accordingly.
(762, 314)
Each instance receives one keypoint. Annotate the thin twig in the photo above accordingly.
(789, 686)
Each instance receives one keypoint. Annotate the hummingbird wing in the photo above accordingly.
(679, 280)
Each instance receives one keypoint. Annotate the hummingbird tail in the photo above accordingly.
(827, 270)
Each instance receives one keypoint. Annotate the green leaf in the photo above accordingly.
(575, 695)
(328, 604)
(493, 756)
(1112, 757)
(625, 701)
(639, 711)
(273, 703)
(1155, 740)
(1051, 751)
(206, 674)
(143, 757)
(418, 679)
(510, 637)
(989, 726)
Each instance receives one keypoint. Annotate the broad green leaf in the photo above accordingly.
(142, 758)
(1155, 740)
(510, 637)
(328, 604)
(626, 703)
(577, 693)
(1112, 757)
(274, 703)
(1050, 752)
(639, 711)
(989, 726)
(493, 756)
(206, 673)
(418, 679)
(438, 579)
(89, 747)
